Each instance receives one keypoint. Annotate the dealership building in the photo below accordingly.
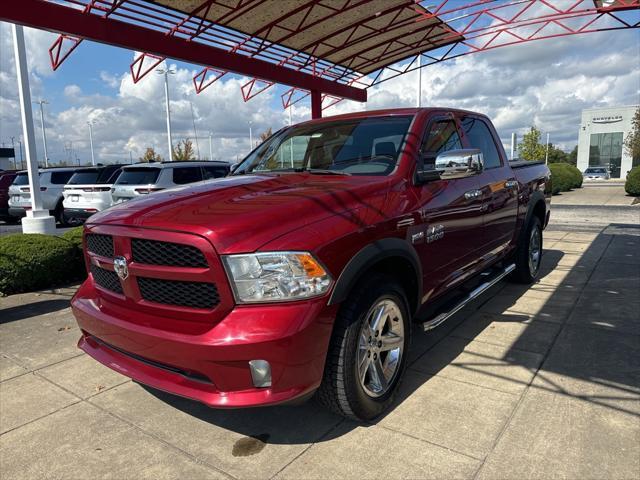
(601, 137)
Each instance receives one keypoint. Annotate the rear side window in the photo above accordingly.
(209, 172)
(21, 179)
(138, 176)
(480, 137)
(183, 175)
(60, 178)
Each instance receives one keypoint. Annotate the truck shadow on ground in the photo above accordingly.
(576, 334)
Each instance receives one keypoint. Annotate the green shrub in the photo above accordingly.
(74, 236)
(30, 261)
(576, 175)
(561, 178)
(632, 185)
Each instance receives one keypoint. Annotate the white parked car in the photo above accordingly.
(145, 178)
(89, 191)
(52, 182)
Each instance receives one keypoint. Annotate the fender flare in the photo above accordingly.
(369, 256)
(535, 197)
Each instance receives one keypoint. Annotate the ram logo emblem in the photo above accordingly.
(120, 267)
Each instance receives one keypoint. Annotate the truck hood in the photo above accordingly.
(241, 213)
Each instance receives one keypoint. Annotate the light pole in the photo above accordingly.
(210, 147)
(546, 156)
(44, 133)
(93, 158)
(13, 147)
(166, 72)
(250, 135)
(21, 160)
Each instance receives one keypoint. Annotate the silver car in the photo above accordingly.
(145, 178)
(596, 173)
(52, 182)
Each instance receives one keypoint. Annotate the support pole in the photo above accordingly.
(316, 104)
(37, 219)
(419, 93)
(210, 147)
(514, 140)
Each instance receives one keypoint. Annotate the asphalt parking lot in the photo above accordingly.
(537, 382)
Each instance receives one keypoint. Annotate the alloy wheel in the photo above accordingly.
(380, 347)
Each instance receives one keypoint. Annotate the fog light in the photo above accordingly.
(260, 373)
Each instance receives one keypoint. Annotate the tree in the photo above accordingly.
(556, 155)
(266, 134)
(632, 142)
(530, 148)
(150, 155)
(572, 158)
(183, 151)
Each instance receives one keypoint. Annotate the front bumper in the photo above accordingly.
(212, 366)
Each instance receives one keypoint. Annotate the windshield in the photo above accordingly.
(138, 176)
(596, 170)
(367, 146)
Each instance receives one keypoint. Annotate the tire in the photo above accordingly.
(59, 215)
(526, 260)
(354, 349)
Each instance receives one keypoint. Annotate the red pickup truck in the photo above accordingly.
(302, 271)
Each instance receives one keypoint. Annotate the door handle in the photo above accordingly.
(473, 194)
(511, 184)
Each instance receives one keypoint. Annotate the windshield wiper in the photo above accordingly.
(323, 171)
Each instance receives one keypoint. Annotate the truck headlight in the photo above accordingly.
(275, 276)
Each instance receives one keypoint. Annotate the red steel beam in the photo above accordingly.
(57, 18)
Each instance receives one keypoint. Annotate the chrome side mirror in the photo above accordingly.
(459, 163)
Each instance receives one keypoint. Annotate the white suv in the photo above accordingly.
(52, 182)
(89, 191)
(145, 178)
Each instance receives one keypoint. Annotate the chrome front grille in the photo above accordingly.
(183, 294)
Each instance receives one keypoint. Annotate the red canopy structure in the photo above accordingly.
(329, 49)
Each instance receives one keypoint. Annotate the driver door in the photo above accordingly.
(451, 211)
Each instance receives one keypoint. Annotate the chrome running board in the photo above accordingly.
(475, 293)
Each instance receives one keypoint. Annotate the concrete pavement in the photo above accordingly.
(529, 382)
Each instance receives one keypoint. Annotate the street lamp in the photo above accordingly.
(93, 158)
(166, 72)
(44, 134)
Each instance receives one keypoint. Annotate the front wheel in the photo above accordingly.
(368, 351)
(529, 253)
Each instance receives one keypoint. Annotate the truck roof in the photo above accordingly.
(387, 112)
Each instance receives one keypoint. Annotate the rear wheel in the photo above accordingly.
(367, 354)
(529, 253)
(59, 215)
